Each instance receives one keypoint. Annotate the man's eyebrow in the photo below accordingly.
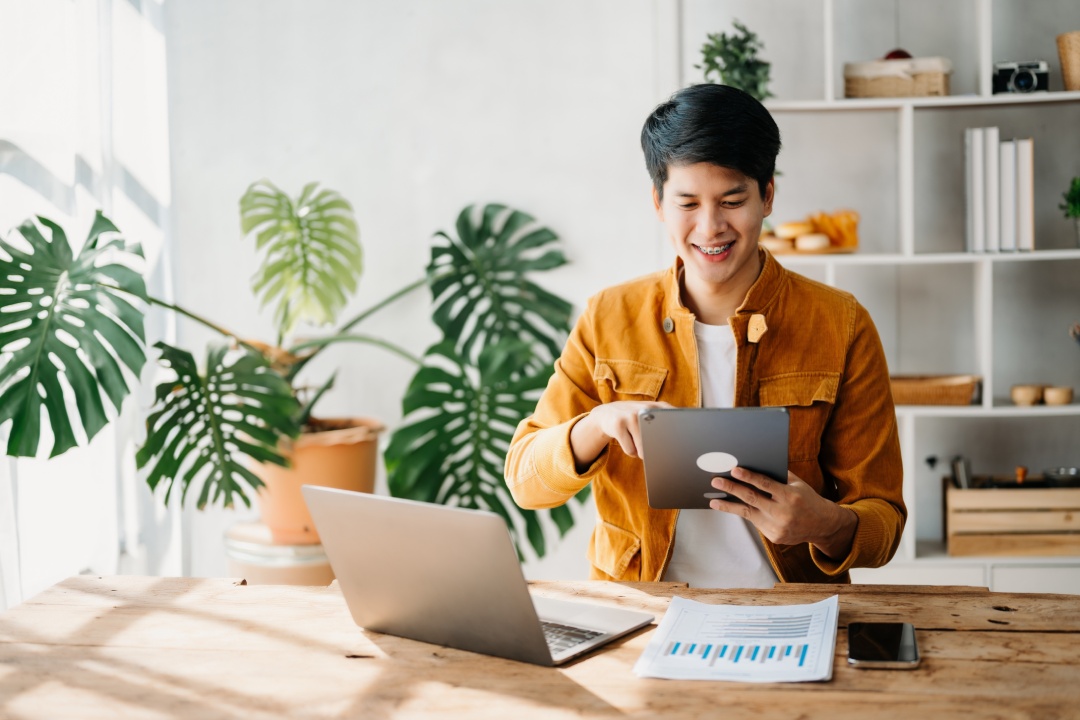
(738, 189)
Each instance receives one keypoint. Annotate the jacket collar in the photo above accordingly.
(759, 297)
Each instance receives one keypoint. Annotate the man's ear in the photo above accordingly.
(770, 194)
(656, 204)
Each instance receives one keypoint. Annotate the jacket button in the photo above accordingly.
(669, 325)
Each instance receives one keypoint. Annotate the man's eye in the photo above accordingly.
(688, 206)
(733, 203)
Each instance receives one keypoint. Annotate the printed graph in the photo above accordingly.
(764, 644)
(711, 653)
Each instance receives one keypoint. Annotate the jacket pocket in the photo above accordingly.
(612, 549)
(627, 380)
(809, 397)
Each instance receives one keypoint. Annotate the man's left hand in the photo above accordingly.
(794, 513)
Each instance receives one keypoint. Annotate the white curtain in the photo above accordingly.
(84, 127)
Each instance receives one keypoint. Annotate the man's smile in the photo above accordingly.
(715, 249)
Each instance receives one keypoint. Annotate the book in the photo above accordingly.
(1025, 194)
(1007, 194)
(991, 179)
(969, 189)
(977, 196)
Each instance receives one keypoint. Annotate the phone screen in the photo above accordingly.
(882, 644)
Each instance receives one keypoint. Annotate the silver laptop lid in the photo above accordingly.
(429, 572)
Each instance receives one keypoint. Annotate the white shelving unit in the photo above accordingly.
(939, 309)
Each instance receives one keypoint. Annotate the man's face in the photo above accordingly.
(713, 217)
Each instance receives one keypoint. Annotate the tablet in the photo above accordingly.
(685, 448)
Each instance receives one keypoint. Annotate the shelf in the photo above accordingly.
(951, 101)
(924, 258)
(980, 411)
(936, 551)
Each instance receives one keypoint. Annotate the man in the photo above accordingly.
(726, 326)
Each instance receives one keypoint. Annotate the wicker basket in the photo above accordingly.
(915, 77)
(935, 389)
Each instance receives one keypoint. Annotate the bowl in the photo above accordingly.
(1057, 395)
(1063, 476)
(1026, 394)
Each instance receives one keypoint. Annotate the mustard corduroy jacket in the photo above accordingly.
(819, 356)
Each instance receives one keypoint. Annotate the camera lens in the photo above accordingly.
(1023, 81)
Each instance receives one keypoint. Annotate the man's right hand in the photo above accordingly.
(611, 421)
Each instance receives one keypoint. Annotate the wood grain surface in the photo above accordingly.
(136, 647)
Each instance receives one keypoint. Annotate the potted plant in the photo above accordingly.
(733, 60)
(1071, 206)
(75, 321)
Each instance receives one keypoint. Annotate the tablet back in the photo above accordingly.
(685, 448)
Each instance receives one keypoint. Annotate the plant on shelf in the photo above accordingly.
(1071, 206)
(733, 60)
(73, 339)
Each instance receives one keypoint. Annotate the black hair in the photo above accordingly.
(711, 123)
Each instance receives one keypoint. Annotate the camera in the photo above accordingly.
(1021, 77)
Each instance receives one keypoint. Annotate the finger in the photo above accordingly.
(733, 508)
(748, 495)
(764, 483)
(626, 442)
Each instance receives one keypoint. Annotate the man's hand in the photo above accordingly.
(611, 421)
(794, 514)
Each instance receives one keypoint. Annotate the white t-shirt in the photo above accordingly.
(715, 549)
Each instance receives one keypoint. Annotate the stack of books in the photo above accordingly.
(999, 178)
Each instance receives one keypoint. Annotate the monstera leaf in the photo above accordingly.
(202, 426)
(66, 319)
(312, 259)
(480, 286)
(461, 420)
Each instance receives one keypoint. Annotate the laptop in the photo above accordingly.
(685, 448)
(451, 577)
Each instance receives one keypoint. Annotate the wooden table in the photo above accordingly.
(141, 647)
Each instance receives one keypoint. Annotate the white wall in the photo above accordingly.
(412, 110)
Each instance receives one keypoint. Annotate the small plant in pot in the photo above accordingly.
(72, 346)
(1071, 206)
(733, 60)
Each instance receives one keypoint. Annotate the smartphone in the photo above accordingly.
(886, 645)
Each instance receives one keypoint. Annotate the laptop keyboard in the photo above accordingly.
(563, 637)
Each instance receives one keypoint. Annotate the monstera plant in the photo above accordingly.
(72, 340)
(73, 321)
(501, 334)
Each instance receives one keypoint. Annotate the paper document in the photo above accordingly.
(746, 643)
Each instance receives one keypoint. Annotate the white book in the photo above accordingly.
(978, 192)
(1007, 194)
(969, 205)
(1025, 194)
(991, 151)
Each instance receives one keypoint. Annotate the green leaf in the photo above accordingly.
(202, 427)
(312, 258)
(457, 430)
(480, 282)
(66, 319)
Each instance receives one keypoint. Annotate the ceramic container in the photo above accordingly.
(1058, 395)
(1026, 394)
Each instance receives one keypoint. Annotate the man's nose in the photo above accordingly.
(713, 221)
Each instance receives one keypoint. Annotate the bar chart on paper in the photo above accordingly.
(751, 644)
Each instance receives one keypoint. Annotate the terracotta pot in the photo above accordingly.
(342, 456)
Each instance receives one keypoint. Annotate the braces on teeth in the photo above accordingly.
(714, 251)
